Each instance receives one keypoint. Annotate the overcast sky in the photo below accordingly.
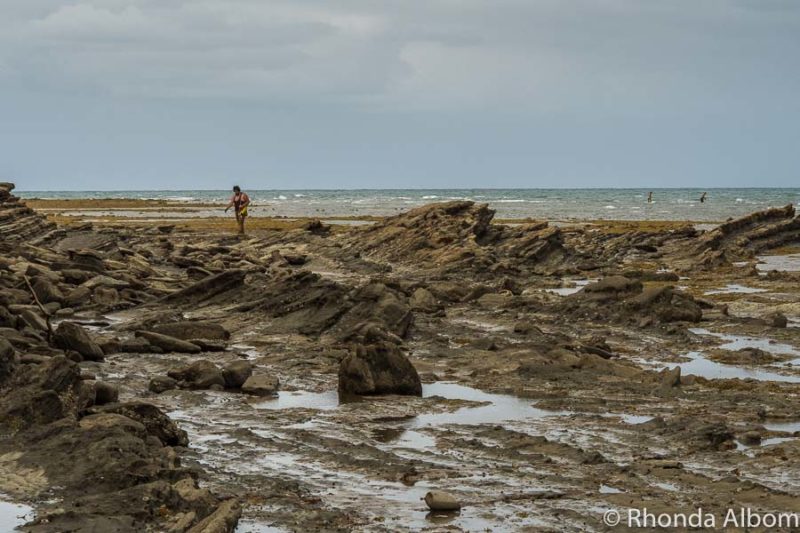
(198, 94)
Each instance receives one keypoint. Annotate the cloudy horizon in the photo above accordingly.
(186, 95)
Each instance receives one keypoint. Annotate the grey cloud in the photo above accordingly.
(421, 91)
(537, 55)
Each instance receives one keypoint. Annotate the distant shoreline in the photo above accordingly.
(558, 206)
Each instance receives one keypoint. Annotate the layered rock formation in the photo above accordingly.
(19, 223)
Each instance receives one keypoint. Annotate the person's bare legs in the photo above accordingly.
(240, 222)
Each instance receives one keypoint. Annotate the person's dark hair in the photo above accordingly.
(236, 188)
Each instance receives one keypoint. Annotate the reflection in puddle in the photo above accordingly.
(670, 487)
(737, 342)
(404, 438)
(635, 419)
(776, 440)
(246, 526)
(566, 291)
(500, 408)
(736, 289)
(788, 427)
(302, 400)
(787, 263)
(14, 515)
(703, 367)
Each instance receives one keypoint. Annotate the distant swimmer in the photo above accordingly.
(703, 198)
(650, 198)
(239, 202)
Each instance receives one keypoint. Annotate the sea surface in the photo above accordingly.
(551, 204)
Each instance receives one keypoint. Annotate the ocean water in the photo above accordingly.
(551, 204)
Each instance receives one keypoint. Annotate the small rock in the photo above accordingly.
(493, 300)
(261, 385)
(77, 297)
(135, 345)
(105, 393)
(201, 374)
(439, 500)
(71, 336)
(161, 384)
(46, 291)
(236, 373)
(8, 358)
(671, 377)
(209, 346)
(33, 319)
(224, 518)
(423, 300)
(776, 320)
(106, 296)
(167, 343)
(188, 330)
(751, 438)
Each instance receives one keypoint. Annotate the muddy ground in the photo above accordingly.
(565, 371)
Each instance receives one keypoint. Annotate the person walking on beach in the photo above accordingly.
(650, 198)
(703, 198)
(239, 202)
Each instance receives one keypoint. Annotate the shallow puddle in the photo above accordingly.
(706, 368)
(14, 515)
(788, 427)
(669, 487)
(247, 526)
(736, 289)
(301, 400)
(786, 263)
(776, 440)
(737, 342)
(566, 291)
(500, 408)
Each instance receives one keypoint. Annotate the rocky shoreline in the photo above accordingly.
(163, 378)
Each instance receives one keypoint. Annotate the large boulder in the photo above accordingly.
(200, 374)
(70, 336)
(167, 343)
(378, 369)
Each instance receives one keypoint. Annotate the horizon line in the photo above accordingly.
(412, 189)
